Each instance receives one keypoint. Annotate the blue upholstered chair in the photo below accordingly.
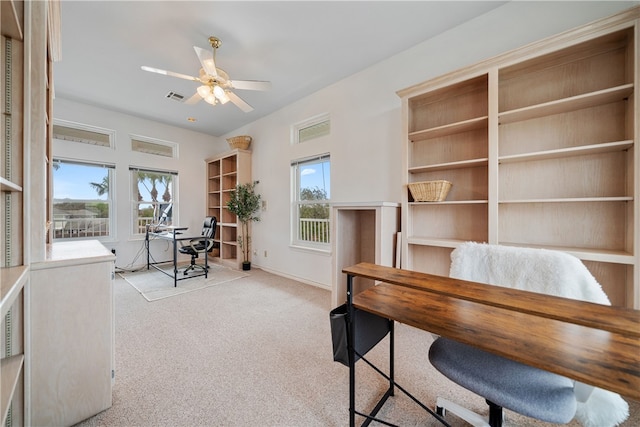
(508, 384)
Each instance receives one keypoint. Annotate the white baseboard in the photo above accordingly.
(298, 279)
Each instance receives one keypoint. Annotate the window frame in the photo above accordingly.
(172, 146)
(109, 133)
(296, 203)
(110, 201)
(135, 230)
(313, 121)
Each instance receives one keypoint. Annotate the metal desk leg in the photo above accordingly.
(146, 243)
(206, 258)
(175, 261)
(391, 358)
(351, 331)
(351, 352)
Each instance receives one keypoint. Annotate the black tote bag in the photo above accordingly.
(370, 329)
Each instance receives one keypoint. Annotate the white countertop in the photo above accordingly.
(73, 253)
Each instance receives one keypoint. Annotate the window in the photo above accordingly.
(153, 198)
(312, 128)
(82, 200)
(156, 147)
(311, 197)
(84, 134)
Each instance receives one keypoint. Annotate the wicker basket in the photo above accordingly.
(242, 142)
(429, 191)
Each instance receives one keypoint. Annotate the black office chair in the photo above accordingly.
(201, 246)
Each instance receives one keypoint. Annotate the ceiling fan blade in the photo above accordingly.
(206, 59)
(169, 73)
(239, 102)
(194, 99)
(250, 84)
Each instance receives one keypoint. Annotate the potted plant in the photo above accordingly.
(244, 202)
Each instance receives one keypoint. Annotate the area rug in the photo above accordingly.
(155, 285)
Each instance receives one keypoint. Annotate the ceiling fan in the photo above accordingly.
(215, 85)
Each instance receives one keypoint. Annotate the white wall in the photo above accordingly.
(193, 148)
(365, 137)
(365, 141)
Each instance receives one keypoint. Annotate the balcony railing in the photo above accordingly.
(314, 230)
(71, 228)
(311, 229)
(142, 224)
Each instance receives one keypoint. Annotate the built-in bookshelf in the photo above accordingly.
(540, 145)
(29, 34)
(224, 172)
(14, 274)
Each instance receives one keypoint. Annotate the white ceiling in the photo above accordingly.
(300, 46)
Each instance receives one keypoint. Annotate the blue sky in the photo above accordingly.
(71, 181)
(316, 175)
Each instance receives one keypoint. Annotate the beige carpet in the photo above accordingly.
(257, 352)
(155, 285)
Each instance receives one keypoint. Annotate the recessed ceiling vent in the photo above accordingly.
(175, 96)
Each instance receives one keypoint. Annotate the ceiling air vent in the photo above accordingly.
(175, 96)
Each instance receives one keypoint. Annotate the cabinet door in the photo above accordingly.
(71, 342)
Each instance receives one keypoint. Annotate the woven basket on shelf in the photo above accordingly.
(242, 142)
(429, 191)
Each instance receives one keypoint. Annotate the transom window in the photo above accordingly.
(156, 147)
(85, 134)
(309, 129)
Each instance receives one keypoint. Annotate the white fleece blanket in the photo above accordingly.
(549, 272)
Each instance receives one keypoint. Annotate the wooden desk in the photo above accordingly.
(591, 343)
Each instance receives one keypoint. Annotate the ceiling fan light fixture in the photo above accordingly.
(215, 85)
(220, 94)
(203, 91)
(211, 99)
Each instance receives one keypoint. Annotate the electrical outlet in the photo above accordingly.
(264, 205)
(265, 253)
(255, 253)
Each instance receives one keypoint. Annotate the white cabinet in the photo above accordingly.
(72, 333)
(29, 42)
(541, 145)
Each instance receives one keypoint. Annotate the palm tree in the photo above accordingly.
(154, 178)
(101, 188)
(166, 180)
